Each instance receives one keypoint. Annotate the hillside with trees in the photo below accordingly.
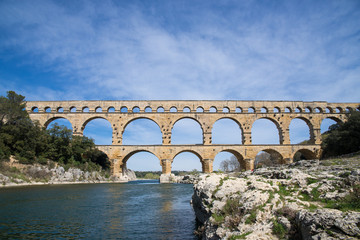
(31, 143)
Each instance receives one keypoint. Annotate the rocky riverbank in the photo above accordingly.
(305, 200)
(13, 173)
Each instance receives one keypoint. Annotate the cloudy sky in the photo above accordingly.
(126, 50)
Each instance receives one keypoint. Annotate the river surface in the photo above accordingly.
(134, 210)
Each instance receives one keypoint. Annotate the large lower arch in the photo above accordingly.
(226, 131)
(304, 154)
(99, 129)
(238, 157)
(187, 130)
(268, 157)
(142, 131)
(266, 131)
(188, 162)
(144, 161)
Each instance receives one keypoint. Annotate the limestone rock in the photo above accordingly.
(328, 223)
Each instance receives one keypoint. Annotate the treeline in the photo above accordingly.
(31, 143)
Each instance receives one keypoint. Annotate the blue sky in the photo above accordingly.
(126, 50)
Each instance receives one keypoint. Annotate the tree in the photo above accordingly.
(12, 108)
(230, 165)
(342, 138)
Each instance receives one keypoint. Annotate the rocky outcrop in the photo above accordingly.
(15, 174)
(285, 202)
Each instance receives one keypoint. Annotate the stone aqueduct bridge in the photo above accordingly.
(166, 113)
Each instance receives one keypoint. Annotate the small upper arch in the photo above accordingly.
(48, 109)
(288, 110)
(111, 109)
(213, 109)
(73, 109)
(186, 109)
(173, 109)
(199, 109)
(98, 109)
(35, 109)
(60, 110)
(264, 110)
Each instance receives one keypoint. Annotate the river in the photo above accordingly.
(135, 210)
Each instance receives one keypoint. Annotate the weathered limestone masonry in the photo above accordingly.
(166, 113)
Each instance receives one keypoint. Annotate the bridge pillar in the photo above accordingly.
(317, 135)
(247, 138)
(207, 140)
(207, 166)
(249, 164)
(285, 136)
(166, 166)
(166, 138)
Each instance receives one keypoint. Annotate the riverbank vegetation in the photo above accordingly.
(31, 143)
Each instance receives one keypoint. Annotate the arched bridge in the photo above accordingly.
(166, 113)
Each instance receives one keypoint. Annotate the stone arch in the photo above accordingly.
(213, 109)
(72, 109)
(173, 109)
(325, 123)
(148, 109)
(93, 118)
(130, 154)
(198, 155)
(110, 109)
(106, 132)
(310, 128)
(135, 109)
(50, 120)
(298, 110)
(308, 110)
(60, 110)
(338, 110)
(35, 109)
(277, 125)
(329, 110)
(139, 118)
(47, 109)
(304, 154)
(121, 166)
(234, 120)
(124, 109)
(264, 110)
(187, 117)
(251, 110)
(272, 157)
(85, 109)
(98, 109)
(186, 109)
(276, 110)
(226, 110)
(238, 156)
